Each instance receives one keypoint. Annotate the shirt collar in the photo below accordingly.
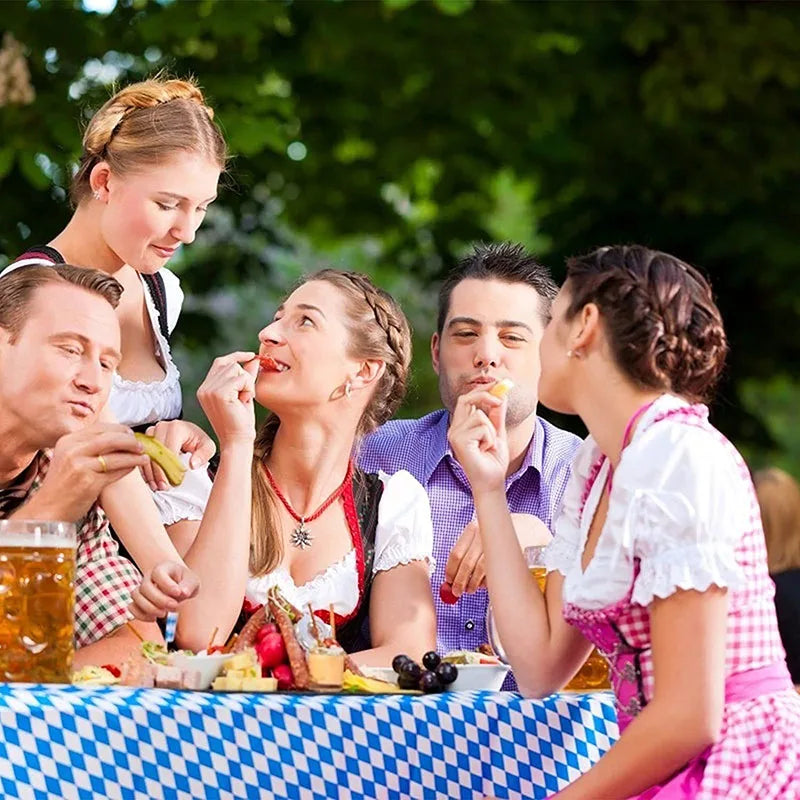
(439, 448)
(16, 492)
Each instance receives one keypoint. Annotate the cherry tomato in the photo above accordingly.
(115, 671)
(446, 593)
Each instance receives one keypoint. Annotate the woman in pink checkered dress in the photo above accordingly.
(658, 557)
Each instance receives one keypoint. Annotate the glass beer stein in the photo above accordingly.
(37, 601)
(593, 675)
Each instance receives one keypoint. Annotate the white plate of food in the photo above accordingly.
(483, 677)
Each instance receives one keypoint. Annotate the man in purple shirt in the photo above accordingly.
(493, 308)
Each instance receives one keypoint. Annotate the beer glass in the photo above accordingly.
(534, 558)
(593, 675)
(37, 600)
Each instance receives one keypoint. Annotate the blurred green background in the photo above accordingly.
(387, 136)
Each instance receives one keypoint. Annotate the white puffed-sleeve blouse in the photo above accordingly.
(675, 516)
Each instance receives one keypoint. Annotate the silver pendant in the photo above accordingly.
(301, 536)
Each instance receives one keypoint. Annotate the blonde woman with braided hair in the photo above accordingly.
(151, 161)
(332, 366)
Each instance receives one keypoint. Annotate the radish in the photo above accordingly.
(270, 627)
(283, 674)
(271, 650)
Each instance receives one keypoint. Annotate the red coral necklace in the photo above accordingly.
(301, 536)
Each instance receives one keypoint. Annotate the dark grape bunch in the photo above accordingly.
(431, 677)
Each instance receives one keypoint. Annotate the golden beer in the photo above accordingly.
(37, 601)
(593, 675)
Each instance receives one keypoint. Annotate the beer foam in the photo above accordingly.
(33, 539)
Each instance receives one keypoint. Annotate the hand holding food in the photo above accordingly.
(179, 436)
(477, 435)
(465, 571)
(226, 397)
(167, 460)
(83, 464)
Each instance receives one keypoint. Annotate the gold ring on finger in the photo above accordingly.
(103, 465)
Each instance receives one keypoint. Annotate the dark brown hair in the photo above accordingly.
(377, 329)
(18, 287)
(663, 326)
(506, 262)
(142, 124)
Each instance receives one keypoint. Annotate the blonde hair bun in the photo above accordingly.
(143, 121)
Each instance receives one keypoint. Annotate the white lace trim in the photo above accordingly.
(141, 402)
(337, 585)
(187, 501)
(560, 555)
(694, 566)
(401, 552)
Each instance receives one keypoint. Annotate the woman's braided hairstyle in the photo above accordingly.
(377, 329)
(663, 326)
(143, 123)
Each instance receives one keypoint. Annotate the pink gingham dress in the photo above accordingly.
(683, 515)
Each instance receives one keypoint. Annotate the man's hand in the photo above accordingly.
(83, 464)
(180, 436)
(477, 435)
(465, 570)
(163, 589)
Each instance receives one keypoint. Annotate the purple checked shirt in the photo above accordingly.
(421, 447)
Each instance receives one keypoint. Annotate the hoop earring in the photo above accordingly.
(347, 389)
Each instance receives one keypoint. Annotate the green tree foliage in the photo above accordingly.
(389, 135)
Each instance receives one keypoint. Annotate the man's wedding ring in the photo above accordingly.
(103, 465)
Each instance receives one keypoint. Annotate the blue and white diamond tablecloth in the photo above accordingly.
(66, 742)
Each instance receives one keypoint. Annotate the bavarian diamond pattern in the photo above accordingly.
(73, 743)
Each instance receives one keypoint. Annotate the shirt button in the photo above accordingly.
(469, 624)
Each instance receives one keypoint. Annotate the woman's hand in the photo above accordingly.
(163, 589)
(226, 396)
(180, 436)
(478, 437)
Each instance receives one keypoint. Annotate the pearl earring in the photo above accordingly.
(573, 353)
(96, 194)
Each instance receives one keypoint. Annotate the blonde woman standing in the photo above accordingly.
(152, 158)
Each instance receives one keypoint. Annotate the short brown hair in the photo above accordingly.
(779, 498)
(18, 287)
(664, 329)
(506, 262)
(144, 122)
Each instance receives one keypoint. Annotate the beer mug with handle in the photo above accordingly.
(37, 600)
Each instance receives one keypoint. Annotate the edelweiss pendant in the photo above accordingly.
(301, 536)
